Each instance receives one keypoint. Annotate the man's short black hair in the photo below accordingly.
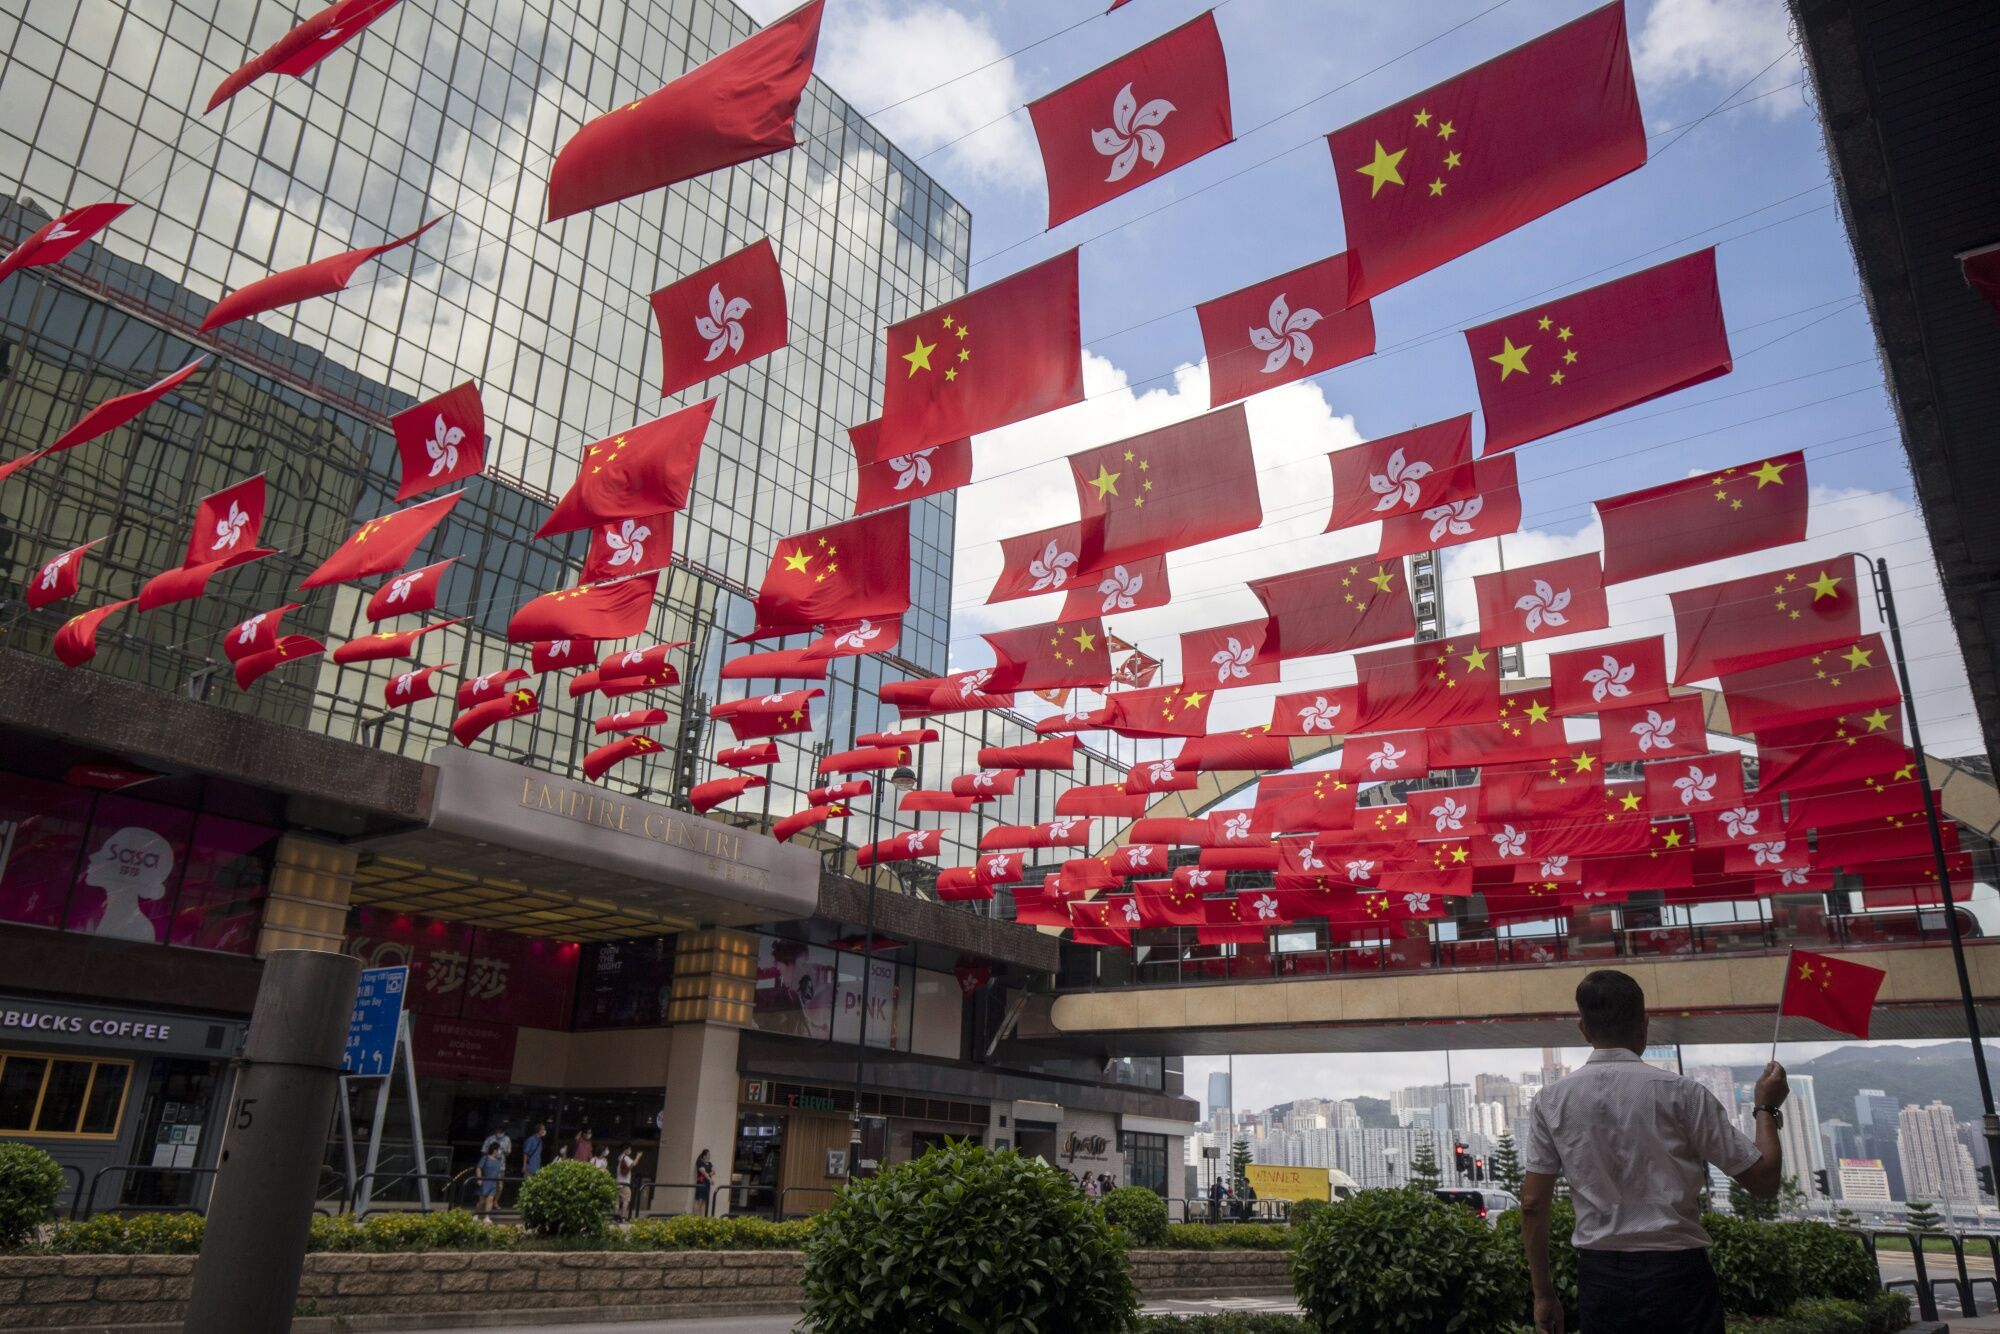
(1612, 1006)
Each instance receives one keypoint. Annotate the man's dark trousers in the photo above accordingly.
(1648, 1292)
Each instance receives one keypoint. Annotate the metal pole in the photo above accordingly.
(409, 1051)
(1886, 596)
(861, 1049)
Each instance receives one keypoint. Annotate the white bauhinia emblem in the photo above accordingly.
(863, 634)
(1554, 867)
(913, 469)
(1510, 842)
(246, 633)
(1396, 484)
(53, 569)
(1060, 829)
(974, 681)
(1695, 786)
(1611, 681)
(1138, 857)
(1134, 133)
(623, 719)
(1416, 901)
(1198, 878)
(1454, 517)
(400, 586)
(60, 231)
(1541, 954)
(481, 684)
(1051, 568)
(1161, 771)
(1655, 733)
(1318, 716)
(1794, 875)
(1309, 858)
(997, 865)
(1385, 759)
(1120, 589)
(985, 778)
(1449, 814)
(1769, 854)
(1740, 821)
(1545, 606)
(404, 682)
(559, 648)
(1232, 661)
(723, 325)
(1285, 336)
(914, 840)
(627, 540)
(1131, 910)
(1237, 825)
(633, 657)
(768, 699)
(230, 527)
(1266, 906)
(443, 445)
(1362, 870)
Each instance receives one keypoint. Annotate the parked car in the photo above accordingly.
(1485, 1201)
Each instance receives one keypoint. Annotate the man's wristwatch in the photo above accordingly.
(1777, 1117)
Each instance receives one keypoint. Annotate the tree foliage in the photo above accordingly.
(1424, 1172)
(1239, 1165)
(1405, 1260)
(1506, 1165)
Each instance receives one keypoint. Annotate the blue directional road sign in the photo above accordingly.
(371, 1032)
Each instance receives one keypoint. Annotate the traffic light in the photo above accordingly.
(1479, 1169)
(1461, 1158)
(1821, 1184)
(1986, 1180)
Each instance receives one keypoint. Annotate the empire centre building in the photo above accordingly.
(593, 956)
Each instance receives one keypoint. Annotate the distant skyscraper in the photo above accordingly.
(1663, 1056)
(1875, 1122)
(1936, 1166)
(1718, 1080)
(1799, 1139)
(1219, 1094)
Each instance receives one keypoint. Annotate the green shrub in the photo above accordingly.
(440, 1230)
(697, 1232)
(1880, 1313)
(1753, 1262)
(1241, 1322)
(30, 1180)
(568, 1199)
(134, 1234)
(1562, 1255)
(334, 1232)
(1141, 1213)
(1827, 1262)
(1227, 1237)
(966, 1239)
(1302, 1211)
(1405, 1260)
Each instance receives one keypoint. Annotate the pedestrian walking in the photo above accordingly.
(1635, 1143)
(1091, 1190)
(627, 1160)
(490, 1167)
(531, 1150)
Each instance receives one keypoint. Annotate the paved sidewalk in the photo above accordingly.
(782, 1324)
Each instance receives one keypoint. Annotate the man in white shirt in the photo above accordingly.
(1634, 1142)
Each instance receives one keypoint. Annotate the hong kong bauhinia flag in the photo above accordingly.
(1179, 486)
(1405, 473)
(620, 547)
(56, 239)
(1833, 991)
(258, 634)
(1595, 352)
(1746, 623)
(1134, 120)
(1443, 172)
(737, 107)
(721, 317)
(412, 687)
(1004, 353)
(1609, 676)
(407, 594)
(441, 440)
(1558, 597)
(226, 526)
(1241, 654)
(388, 643)
(382, 544)
(1282, 329)
(305, 45)
(860, 568)
(291, 286)
(58, 577)
(1487, 504)
(901, 478)
(1709, 516)
(642, 470)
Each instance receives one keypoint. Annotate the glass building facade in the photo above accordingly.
(451, 113)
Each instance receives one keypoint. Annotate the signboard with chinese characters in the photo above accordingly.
(371, 1029)
(459, 972)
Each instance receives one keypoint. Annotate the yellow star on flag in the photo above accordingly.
(1877, 721)
(1859, 657)
(919, 356)
(1769, 473)
(1825, 586)
(1383, 170)
(1106, 481)
(1085, 641)
(1381, 579)
(1510, 358)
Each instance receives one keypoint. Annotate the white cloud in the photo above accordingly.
(1719, 44)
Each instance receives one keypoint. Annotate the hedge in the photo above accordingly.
(1883, 1313)
(1227, 1237)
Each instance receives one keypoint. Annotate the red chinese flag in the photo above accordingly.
(1426, 685)
(1831, 991)
(636, 720)
(467, 726)
(616, 610)
(76, 642)
(409, 593)
(304, 46)
(1102, 799)
(600, 761)
(1439, 174)
(1488, 504)
(292, 648)
(956, 885)
(1558, 597)
(1044, 657)
(707, 796)
(1162, 711)
(1402, 474)
(383, 544)
(57, 238)
(441, 440)
(1819, 685)
(388, 643)
(58, 577)
(1326, 711)
(1230, 655)
(480, 689)
(735, 108)
(1679, 726)
(113, 413)
(551, 655)
(622, 663)
(1831, 752)
(902, 478)
(1001, 354)
(1527, 729)
(868, 759)
(1384, 756)
(986, 783)
(860, 568)
(1566, 786)
(929, 802)
(721, 317)
(804, 820)
(856, 638)
(1595, 352)
(1055, 753)
(1134, 120)
(1282, 329)
(1694, 785)
(1337, 607)
(585, 683)
(1319, 800)
(1610, 676)
(412, 687)
(259, 634)
(1710, 516)
(768, 715)
(1766, 618)
(1179, 486)
(906, 847)
(1252, 748)
(291, 286)
(639, 471)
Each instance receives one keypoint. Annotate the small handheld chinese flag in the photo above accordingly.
(1830, 990)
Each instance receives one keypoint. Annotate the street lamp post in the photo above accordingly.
(902, 780)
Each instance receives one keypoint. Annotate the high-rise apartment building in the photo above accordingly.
(1877, 1127)
(1936, 1165)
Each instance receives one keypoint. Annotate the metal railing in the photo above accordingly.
(643, 1200)
(86, 1203)
(1924, 1287)
(367, 1191)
